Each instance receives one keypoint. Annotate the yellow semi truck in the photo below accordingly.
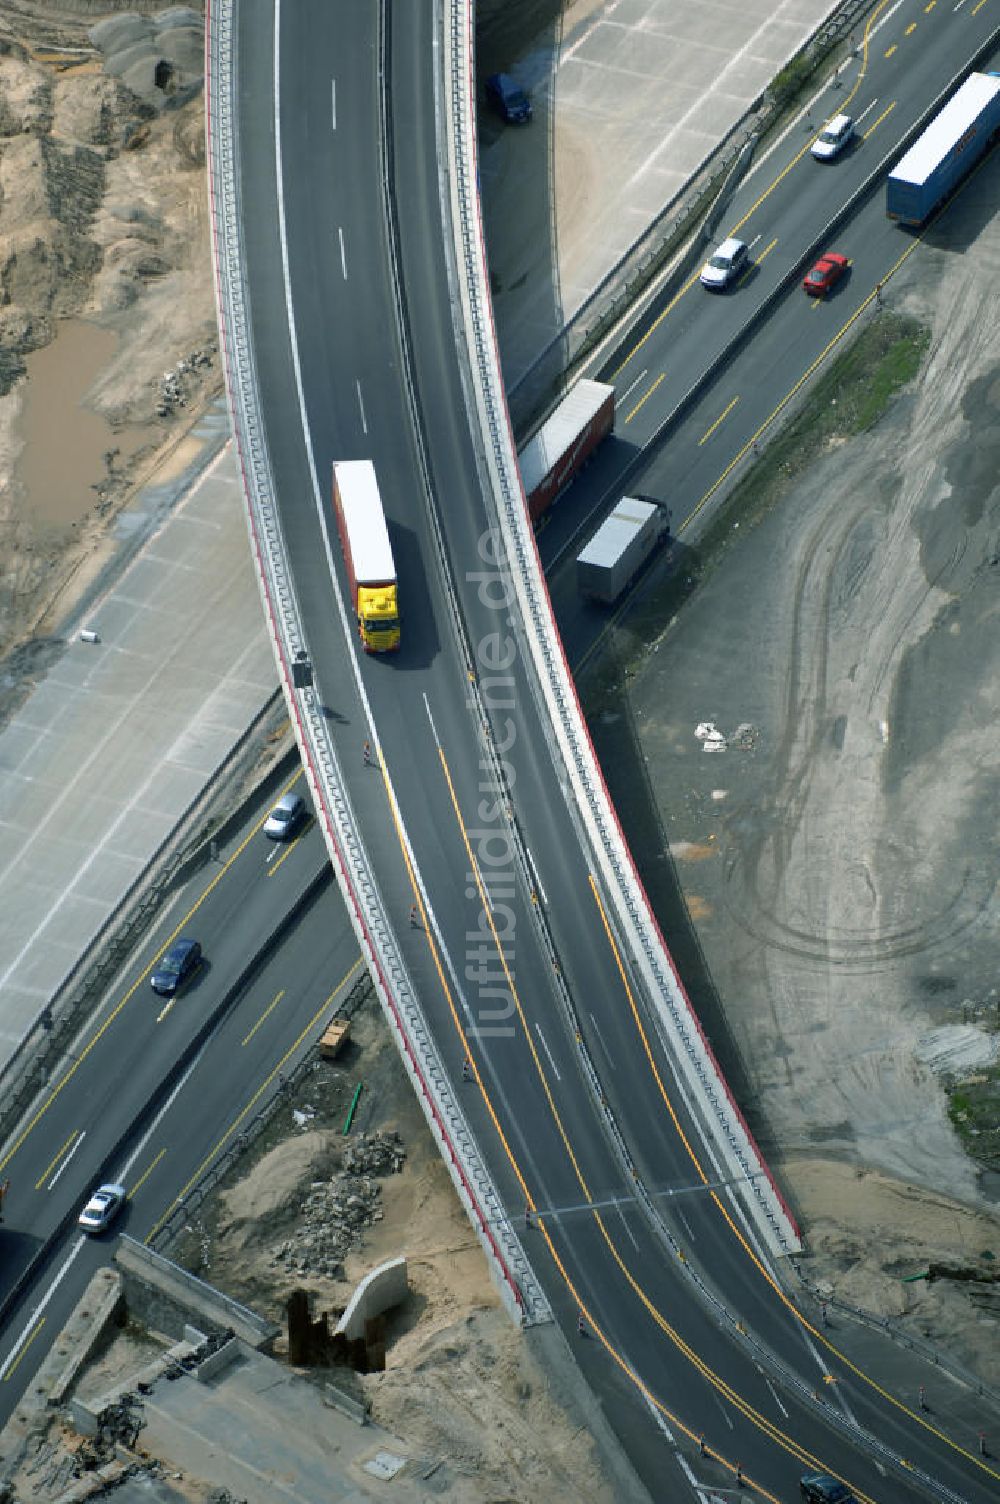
(371, 570)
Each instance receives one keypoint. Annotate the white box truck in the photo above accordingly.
(620, 547)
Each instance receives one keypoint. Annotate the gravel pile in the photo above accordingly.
(336, 1210)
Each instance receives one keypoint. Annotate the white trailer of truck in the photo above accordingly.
(364, 537)
(620, 547)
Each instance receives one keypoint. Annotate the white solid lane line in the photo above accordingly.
(8, 1363)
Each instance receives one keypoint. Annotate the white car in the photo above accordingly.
(102, 1208)
(833, 138)
(729, 261)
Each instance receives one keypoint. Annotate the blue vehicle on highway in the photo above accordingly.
(176, 967)
(945, 151)
(508, 98)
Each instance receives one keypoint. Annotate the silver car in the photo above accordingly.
(102, 1208)
(285, 818)
(728, 262)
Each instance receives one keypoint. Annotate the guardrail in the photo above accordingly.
(512, 1273)
(708, 1092)
(789, 279)
(890, 1327)
(108, 1166)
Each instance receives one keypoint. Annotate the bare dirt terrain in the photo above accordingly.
(108, 349)
(105, 288)
(833, 836)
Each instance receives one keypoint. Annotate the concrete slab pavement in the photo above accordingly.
(119, 737)
(266, 1434)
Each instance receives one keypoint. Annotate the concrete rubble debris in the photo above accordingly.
(119, 1425)
(710, 736)
(175, 385)
(336, 1210)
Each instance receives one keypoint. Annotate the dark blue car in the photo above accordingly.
(175, 967)
(508, 98)
(820, 1488)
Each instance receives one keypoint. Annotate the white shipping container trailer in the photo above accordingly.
(620, 547)
(364, 522)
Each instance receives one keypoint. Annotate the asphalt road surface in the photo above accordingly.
(157, 1087)
(693, 397)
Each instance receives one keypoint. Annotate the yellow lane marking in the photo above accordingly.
(12, 1370)
(289, 848)
(273, 866)
(977, 8)
(143, 1178)
(234, 1125)
(656, 323)
(446, 990)
(723, 1211)
(112, 1016)
(646, 398)
(910, 29)
(165, 1010)
(814, 1332)
(876, 123)
(770, 1428)
(755, 263)
(890, 50)
(675, 1420)
(722, 416)
(59, 1154)
(265, 1015)
(929, 7)
(792, 391)
(501, 950)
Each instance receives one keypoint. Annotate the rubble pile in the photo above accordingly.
(177, 385)
(118, 1425)
(336, 1210)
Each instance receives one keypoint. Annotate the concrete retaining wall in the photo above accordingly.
(383, 1288)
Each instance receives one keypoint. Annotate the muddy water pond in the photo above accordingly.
(65, 440)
